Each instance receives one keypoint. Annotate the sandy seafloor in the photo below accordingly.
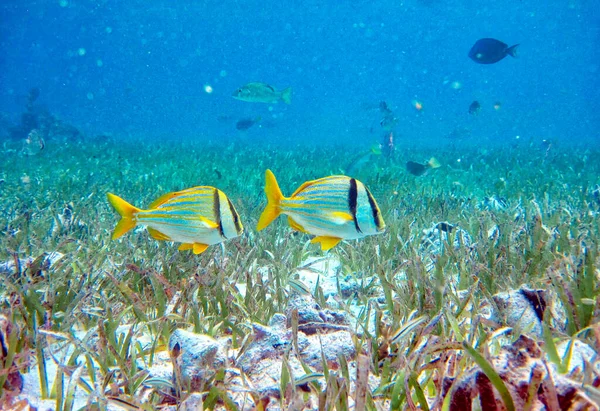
(530, 209)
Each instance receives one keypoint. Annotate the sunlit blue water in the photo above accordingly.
(140, 68)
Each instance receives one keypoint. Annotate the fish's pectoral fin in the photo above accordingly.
(340, 217)
(295, 225)
(208, 223)
(200, 248)
(185, 246)
(157, 235)
(327, 242)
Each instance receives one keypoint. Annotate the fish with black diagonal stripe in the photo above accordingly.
(333, 209)
(196, 217)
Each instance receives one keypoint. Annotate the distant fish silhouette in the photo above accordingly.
(490, 51)
(246, 123)
(475, 107)
(418, 169)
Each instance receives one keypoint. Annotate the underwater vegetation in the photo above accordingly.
(482, 291)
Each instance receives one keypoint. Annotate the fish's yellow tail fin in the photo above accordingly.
(274, 197)
(286, 95)
(127, 212)
(434, 163)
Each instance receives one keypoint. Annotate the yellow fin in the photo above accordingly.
(340, 217)
(163, 199)
(286, 95)
(200, 248)
(127, 212)
(295, 225)
(433, 163)
(274, 197)
(208, 223)
(326, 242)
(186, 246)
(157, 235)
(302, 187)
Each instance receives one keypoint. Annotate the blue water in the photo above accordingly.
(139, 68)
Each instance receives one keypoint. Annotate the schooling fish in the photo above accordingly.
(333, 208)
(489, 51)
(197, 217)
(262, 93)
(418, 169)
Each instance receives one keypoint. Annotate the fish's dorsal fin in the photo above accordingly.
(199, 248)
(340, 217)
(327, 242)
(157, 235)
(260, 84)
(323, 180)
(295, 225)
(166, 197)
(163, 199)
(303, 186)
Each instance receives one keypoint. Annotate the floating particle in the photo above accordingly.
(81, 51)
(456, 85)
(63, 3)
(208, 88)
(108, 29)
(90, 96)
(99, 63)
(417, 104)
(222, 73)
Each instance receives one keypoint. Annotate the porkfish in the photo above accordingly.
(333, 208)
(196, 217)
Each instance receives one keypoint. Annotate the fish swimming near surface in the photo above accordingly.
(246, 123)
(475, 107)
(262, 93)
(196, 217)
(490, 51)
(333, 208)
(419, 169)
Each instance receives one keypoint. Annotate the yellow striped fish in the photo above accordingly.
(333, 208)
(197, 217)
